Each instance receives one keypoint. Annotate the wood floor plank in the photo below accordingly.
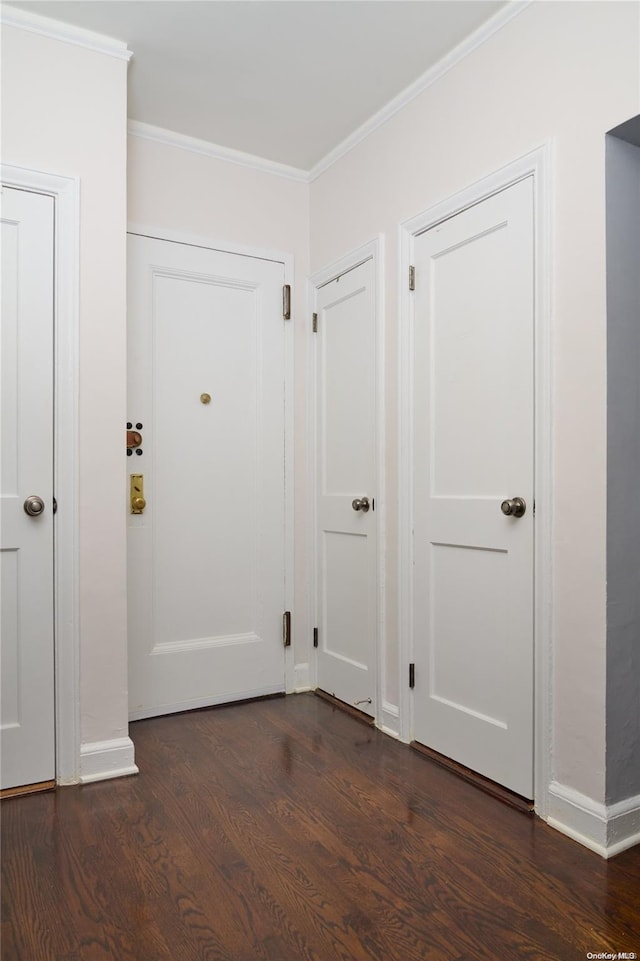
(286, 830)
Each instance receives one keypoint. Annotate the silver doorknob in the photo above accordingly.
(514, 507)
(361, 504)
(33, 506)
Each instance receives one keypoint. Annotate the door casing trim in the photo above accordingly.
(537, 164)
(66, 195)
(287, 259)
(374, 251)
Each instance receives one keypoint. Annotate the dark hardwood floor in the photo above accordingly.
(285, 830)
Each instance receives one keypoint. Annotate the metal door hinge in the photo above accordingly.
(314, 323)
(412, 278)
(286, 628)
(412, 675)
(286, 302)
(315, 637)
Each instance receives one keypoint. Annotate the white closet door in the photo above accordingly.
(26, 473)
(473, 450)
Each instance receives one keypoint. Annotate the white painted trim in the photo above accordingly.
(66, 194)
(64, 32)
(287, 260)
(450, 60)
(302, 682)
(390, 719)
(199, 702)
(100, 760)
(537, 163)
(170, 138)
(605, 829)
(291, 680)
(374, 251)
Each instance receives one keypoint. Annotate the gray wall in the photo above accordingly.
(623, 459)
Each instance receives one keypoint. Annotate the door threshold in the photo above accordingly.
(347, 708)
(25, 789)
(478, 780)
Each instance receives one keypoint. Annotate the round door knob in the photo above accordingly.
(361, 504)
(514, 507)
(33, 506)
(138, 503)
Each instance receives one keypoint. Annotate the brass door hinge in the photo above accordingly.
(315, 637)
(314, 324)
(286, 628)
(286, 302)
(412, 278)
(412, 675)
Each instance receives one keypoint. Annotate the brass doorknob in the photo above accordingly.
(361, 504)
(33, 506)
(514, 507)
(138, 504)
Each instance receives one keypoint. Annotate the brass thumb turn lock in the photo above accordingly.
(136, 494)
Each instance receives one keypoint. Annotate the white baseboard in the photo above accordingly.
(100, 760)
(605, 829)
(390, 720)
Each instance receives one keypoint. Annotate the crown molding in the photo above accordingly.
(65, 32)
(170, 138)
(495, 23)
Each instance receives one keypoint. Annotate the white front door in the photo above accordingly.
(207, 554)
(473, 449)
(26, 544)
(346, 471)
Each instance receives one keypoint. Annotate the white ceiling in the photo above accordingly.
(286, 80)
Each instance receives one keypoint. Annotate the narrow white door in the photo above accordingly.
(473, 450)
(26, 554)
(207, 554)
(346, 470)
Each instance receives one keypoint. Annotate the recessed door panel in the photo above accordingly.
(347, 605)
(467, 610)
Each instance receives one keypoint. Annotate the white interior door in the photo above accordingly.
(346, 470)
(207, 555)
(26, 470)
(473, 449)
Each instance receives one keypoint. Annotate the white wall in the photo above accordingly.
(180, 190)
(565, 72)
(64, 112)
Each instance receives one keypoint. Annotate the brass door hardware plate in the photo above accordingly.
(136, 494)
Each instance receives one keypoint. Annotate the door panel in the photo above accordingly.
(26, 554)
(207, 554)
(473, 448)
(345, 379)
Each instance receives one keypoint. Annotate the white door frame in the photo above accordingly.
(386, 716)
(537, 164)
(66, 195)
(214, 243)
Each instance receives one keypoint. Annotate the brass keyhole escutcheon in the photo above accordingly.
(205, 398)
